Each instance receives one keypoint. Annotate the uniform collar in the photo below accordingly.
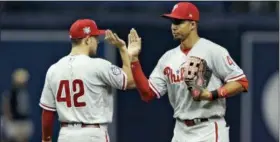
(187, 50)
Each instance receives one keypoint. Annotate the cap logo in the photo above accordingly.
(175, 7)
(190, 15)
(86, 30)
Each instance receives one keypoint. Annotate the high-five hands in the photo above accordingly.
(134, 44)
(114, 39)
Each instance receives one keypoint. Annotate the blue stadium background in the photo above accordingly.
(222, 22)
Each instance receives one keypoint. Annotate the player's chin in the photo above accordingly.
(176, 37)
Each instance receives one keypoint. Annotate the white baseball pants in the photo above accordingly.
(214, 130)
(76, 133)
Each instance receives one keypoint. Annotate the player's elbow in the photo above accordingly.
(244, 84)
(146, 95)
(245, 87)
(147, 98)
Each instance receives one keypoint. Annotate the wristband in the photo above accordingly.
(219, 93)
(214, 95)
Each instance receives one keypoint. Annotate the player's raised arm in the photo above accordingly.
(113, 39)
(148, 89)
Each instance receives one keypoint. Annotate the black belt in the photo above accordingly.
(65, 124)
(192, 122)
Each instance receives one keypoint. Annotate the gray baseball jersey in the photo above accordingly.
(167, 77)
(80, 89)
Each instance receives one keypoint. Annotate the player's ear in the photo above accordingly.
(87, 41)
(193, 24)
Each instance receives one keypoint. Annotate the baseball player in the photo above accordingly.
(79, 88)
(198, 76)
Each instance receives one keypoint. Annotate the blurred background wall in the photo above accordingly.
(34, 36)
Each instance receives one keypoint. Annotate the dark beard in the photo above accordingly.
(181, 38)
(185, 37)
(176, 38)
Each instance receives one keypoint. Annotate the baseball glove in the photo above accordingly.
(196, 76)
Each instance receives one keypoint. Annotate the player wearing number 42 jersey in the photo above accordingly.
(79, 88)
(198, 76)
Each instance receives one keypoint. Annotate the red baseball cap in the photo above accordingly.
(184, 11)
(83, 28)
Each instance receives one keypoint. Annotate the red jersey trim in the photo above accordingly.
(154, 89)
(216, 132)
(46, 107)
(235, 78)
(244, 82)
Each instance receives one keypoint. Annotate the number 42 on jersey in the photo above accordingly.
(78, 90)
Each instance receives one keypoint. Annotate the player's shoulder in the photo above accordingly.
(56, 66)
(100, 62)
(169, 53)
(173, 50)
(212, 47)
(52, 69)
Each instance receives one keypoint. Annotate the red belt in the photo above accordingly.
(83, 125)
(195, 121)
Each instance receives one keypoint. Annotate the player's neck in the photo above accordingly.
(190, 41)
(79, 51)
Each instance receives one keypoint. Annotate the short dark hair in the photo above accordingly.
(77, 41)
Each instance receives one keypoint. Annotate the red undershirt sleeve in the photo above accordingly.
(47, 124)
(147, 94)
(244, 82)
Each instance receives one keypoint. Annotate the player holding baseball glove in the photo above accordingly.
(198, 76)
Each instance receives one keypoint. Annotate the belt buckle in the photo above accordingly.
(196, 121)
